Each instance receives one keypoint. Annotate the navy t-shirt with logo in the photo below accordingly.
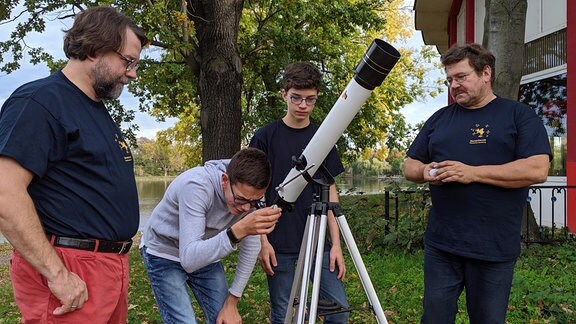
(478, 220)
(83, 183)
(281, 142)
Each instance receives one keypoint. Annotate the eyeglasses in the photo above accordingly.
(243, 201)
(131, 64)
(459, 78)
(298, 100)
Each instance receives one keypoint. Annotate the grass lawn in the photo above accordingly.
(544, 288)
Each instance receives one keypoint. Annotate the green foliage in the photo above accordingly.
(164, 156)
(379, 229)
(555, 300)
(333, 35)
(366, 219)
(381, 162)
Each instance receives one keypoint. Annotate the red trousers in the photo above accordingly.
(106, 275)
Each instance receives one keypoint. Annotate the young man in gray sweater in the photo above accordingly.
(204, 215)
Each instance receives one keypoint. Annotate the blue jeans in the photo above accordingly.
(487, 286)
(169, 280)
(280, 286)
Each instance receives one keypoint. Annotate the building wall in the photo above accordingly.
(544, 17)
(461, 25)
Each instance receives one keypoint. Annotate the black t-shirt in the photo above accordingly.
(478, 220)
(281, 142)
(84, 182)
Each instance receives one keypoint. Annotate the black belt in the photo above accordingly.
(119, 247)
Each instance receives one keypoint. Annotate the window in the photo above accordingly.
(548, 99)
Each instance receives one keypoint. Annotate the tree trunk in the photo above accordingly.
(504, 29)
(220, 75)
(530, 227)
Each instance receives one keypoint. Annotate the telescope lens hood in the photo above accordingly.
(377, 62)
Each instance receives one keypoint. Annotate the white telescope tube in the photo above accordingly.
(377, 62)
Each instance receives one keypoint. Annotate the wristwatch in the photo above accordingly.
(233, 239)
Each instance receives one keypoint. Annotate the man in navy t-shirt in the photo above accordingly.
(479, 156)
(281, 140)
(68, 199)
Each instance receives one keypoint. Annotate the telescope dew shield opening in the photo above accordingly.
(375, 65)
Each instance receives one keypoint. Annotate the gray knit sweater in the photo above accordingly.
(188, 225)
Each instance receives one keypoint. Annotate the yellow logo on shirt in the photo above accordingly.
(479, 134)
(123, 147)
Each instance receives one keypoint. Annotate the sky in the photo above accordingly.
(51, 41)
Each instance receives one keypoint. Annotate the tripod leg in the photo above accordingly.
(317, 268)
(292, 307)
(361, 269)
(296, 309)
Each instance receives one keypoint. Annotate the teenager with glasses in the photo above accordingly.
(205, 214)
(281, 140)
(479, 156)
(68, 199)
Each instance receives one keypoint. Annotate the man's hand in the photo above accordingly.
(70, 290)
(267, 256)
(514, 174)
(229, 313)
(337, 259)
(418, 172)
(260, 221)
(453, 171)
(430, 173)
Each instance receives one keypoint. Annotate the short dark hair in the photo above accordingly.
(477, 56)
(99, 30)
(302, 75)
(250, 166)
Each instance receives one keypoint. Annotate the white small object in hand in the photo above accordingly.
(433, 172)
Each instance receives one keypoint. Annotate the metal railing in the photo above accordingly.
(545, 216)
(548, 206)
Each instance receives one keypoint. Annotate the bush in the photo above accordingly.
(401, 228)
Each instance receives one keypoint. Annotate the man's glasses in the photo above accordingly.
(459, 78)
(243, 201)
(131, 64)
(298, 100)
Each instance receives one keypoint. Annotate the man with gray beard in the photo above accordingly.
(68, 199)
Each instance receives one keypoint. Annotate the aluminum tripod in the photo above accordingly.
(313, 244)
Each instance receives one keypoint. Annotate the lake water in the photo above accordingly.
(150, 191)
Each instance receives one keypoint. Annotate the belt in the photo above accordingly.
(119, 247)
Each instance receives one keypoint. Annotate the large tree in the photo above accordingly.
(216, 64)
